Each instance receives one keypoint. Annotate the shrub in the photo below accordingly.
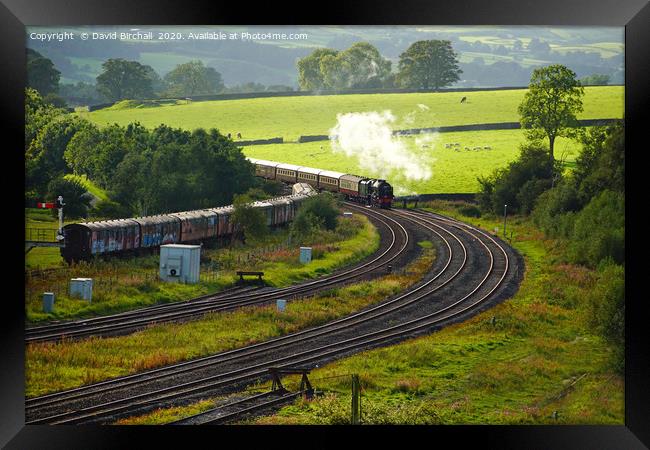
(108, 209)
(599, 230)
(607, 308)
(470, 211)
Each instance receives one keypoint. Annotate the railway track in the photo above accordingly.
(238, 409)
(395, 245)
(473, 270)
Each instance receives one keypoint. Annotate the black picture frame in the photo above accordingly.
(633, 14)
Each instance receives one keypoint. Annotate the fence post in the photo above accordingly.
(356, 400)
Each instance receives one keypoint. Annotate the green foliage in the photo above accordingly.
(554, 211)
(121, 79)
(519, 184)
(108, 209)
(607, 305)
(310, 76)
(251, 222)
(193, 78)
(44, 157)
(41, 73)
(470, 211)
(75, 197)
(599, 230)
(37, 114)
(427, 65)
(601, 164)
(55, 100)
(360, 66)
(550, 106)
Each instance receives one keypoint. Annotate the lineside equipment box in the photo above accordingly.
(180, 263)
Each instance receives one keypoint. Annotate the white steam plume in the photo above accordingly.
(368, 137)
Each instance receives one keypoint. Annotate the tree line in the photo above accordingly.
(144, 171)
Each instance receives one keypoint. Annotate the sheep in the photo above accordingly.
(467, 148)
(447, 145)
(487, 147)
(463, 100)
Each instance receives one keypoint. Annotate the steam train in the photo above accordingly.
(370, 191)
(87, 239)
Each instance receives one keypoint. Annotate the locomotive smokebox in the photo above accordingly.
(180, 263)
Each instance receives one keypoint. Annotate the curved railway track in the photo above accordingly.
(473, 270)
(396, 244)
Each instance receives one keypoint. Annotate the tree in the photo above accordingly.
(193, 78)
(251, 221)
(122, 79)
(41, 73)
(310, 76)
(44, 157)
(75, 197)
(428, 64)
(360, 66)
(550, 106)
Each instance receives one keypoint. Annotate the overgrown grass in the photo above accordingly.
(522, 367)
(290, 117)
(51, 367)
(123, 284)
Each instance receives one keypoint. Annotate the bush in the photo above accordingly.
(518, 185)
(470, 211)
(599, 230)
(75, 198)
(323, 207)
(554, 210)
(606, 303)
(108, 209)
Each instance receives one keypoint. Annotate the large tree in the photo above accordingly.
(193, 78)
(310, 76)
(428, 64)
(122, 79)
(550, 106)
(41, 73)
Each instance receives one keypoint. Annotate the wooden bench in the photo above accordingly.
(242, 273)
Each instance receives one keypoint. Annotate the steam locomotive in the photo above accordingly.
(370, 191)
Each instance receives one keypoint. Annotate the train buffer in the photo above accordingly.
(242, 273)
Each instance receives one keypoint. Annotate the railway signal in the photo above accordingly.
(59, 205)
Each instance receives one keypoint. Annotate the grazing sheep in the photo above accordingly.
(457, 144)
(238, 135)
(447, 145)
(463, 100)
(487, 147)
(466, 148)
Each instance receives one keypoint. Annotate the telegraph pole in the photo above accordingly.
(505, 209)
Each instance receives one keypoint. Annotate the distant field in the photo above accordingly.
(452, 171)
(290, 117)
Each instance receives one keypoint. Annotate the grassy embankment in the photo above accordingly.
(290, 117)
(121, 285)
(52, 367)
(536, 362)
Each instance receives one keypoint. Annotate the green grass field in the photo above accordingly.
(290, 117)
(452, 171)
